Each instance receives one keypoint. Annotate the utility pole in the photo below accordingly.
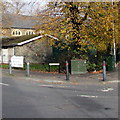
(114, 43)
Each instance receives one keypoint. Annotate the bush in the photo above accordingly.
(34, 67)
(91, 66)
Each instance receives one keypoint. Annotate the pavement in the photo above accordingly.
(59, 78)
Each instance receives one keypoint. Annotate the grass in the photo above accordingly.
(34, 67)
(5, 66)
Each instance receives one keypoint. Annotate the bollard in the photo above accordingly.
(104, 71)
(10, 68)
(28, 69)
(67, 71)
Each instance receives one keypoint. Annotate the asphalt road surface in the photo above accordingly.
(24, 98)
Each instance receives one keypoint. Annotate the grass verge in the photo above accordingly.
(34, 67)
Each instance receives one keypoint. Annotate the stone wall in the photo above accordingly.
(34, 52)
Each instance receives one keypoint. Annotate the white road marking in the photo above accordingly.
(46, 85)
(4, 84)
(54, 86)
(107, 89)
(55, 81)
(88, 96)
(114, 81)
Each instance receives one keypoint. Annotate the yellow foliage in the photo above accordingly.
(97, 29)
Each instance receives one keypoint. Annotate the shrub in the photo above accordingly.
(91, 66)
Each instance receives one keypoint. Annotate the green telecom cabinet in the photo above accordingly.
(78, 67)
(110, 63)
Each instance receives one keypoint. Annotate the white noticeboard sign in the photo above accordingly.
(17, 61)
(54, 63)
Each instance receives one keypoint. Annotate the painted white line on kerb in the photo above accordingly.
(4, 84)
(88, 96)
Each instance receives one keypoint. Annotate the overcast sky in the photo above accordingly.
(31, 5)
(43, 1)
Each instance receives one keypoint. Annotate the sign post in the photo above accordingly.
(56, 64)
(17, 61)
(67, 71)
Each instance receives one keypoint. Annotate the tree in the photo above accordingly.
(65, 22)
(4, 7)
(17, 6)
(103, 25)
(82, 27)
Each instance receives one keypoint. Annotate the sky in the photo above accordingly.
(32, 5)
(41, 4)
(43, 1)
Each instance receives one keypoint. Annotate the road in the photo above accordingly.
(24, 98)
